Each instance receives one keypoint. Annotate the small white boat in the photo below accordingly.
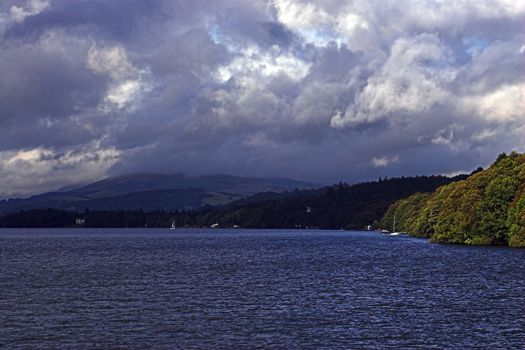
(394, 232)
(172, 225)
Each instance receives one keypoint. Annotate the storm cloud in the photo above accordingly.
(323, 90)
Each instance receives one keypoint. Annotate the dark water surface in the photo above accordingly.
(255, 289)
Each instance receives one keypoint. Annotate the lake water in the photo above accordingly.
(240, 289)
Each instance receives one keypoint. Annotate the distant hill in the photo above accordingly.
(154, 192)
(486, 208)
(333, 207)
(241, 186)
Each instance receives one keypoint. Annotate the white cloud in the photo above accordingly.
(410, 82)
(19, 13)
(318, 101)
(124, 93)
(112, 61)
(368, 25)
(32, 8)
(380, 162)
(437, 15)
(504, 104)
(264, 64)
(348, 23)
(250, 99)
(48, 169)
(456, 173)
(301, 16)
(448, 136)
(484, 135)
(128, 82)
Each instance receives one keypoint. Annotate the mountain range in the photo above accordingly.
(154, 192)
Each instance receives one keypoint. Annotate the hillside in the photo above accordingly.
(333, 207)
(241, 186)
(154, 192)
(486, 208)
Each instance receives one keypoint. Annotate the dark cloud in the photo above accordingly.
(322, 90)
(108, 20)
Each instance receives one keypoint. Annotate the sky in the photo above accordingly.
(321, 90)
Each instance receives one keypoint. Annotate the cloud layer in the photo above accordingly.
(321, 90)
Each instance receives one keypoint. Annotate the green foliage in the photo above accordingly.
(517, 231)
(486, 208)
(457, 216)
(405, 213)
(516, 220)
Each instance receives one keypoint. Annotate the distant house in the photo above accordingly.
(80, 222)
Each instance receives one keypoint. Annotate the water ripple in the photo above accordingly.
(138, 289)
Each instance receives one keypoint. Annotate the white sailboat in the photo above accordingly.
(172, 225)
(394, 233)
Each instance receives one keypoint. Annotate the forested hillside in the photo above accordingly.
(333, 207)
(486, 208)
(339, 206)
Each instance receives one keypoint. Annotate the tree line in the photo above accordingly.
(340, 206)
(486, 208)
